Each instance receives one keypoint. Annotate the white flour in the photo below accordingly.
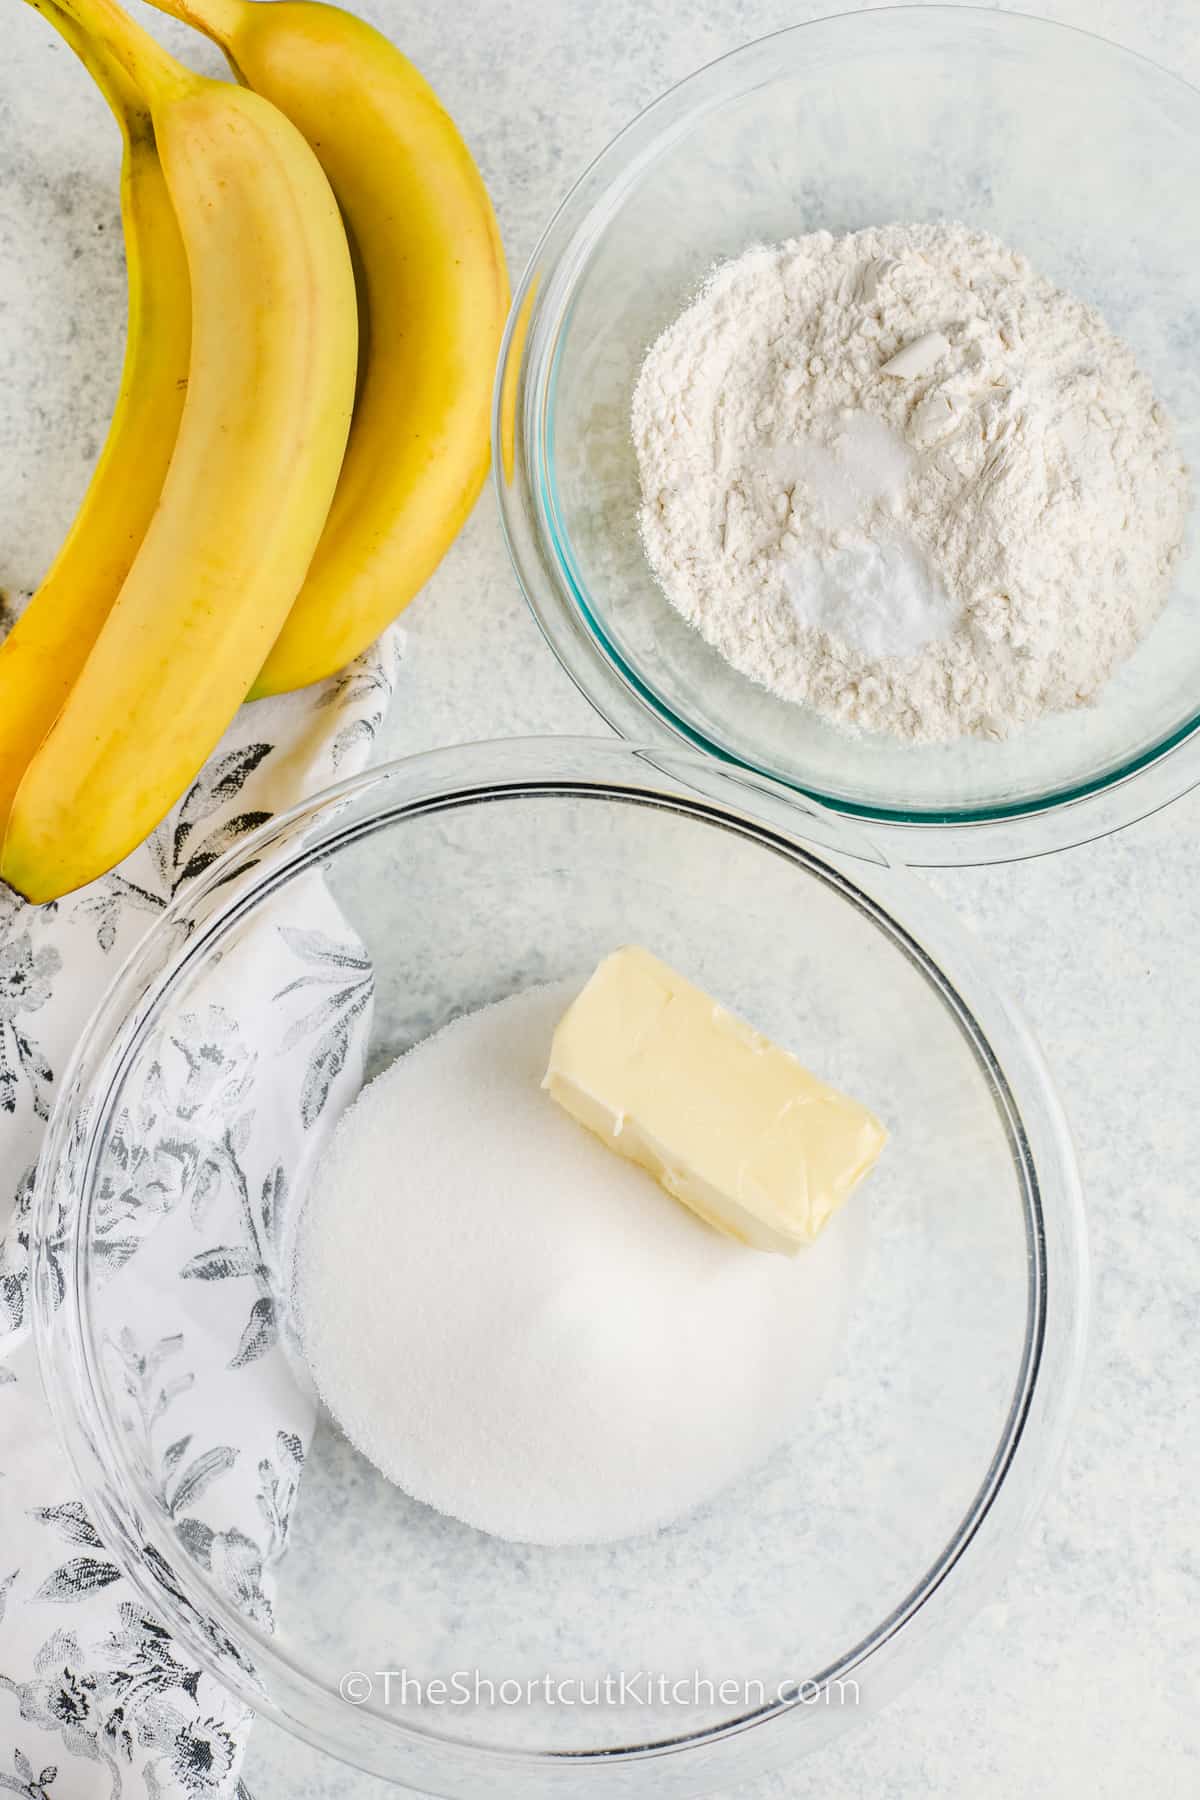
(901, 478)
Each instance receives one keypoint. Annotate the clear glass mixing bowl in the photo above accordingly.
(819, 1584)
(1082, 155)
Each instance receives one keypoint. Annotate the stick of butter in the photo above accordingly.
(727, 1122)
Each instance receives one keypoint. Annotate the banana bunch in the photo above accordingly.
(47, 648)
(316, 296)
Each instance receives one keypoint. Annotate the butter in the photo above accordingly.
(727, 1122)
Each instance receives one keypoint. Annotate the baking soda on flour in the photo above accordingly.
(901, 478)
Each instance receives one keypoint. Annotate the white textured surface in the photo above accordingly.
(1083, 1677)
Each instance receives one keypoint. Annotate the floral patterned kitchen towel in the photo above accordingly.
(96, 1700)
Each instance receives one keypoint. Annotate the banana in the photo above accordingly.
(261, 439)
(434, 294)
(46, 649)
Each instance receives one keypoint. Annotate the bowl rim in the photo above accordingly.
(1045, 1391)
(540, 552)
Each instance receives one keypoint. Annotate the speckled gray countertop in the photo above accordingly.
(1083, 1675)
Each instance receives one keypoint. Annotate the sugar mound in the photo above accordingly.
(526, 1332)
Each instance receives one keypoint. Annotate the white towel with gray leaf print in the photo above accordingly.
(96, 1701)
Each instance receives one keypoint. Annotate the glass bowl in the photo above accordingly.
(819, 1584)
(1082, 155)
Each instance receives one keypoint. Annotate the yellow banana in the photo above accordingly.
(434, 293)
(45, 650)
(270, 390)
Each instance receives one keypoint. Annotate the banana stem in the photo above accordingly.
(125, 103)
(156, 74)
(217, 19)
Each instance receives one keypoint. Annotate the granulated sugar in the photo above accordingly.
(526, 1332)
(999, 561)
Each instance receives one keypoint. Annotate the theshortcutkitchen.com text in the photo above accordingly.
(615, 1688)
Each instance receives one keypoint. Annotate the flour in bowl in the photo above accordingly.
(901, 478)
